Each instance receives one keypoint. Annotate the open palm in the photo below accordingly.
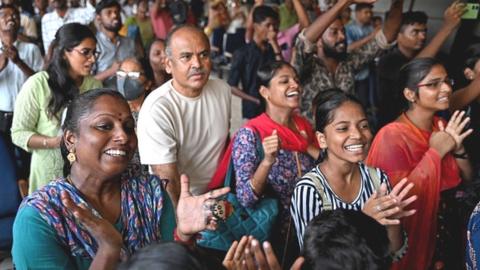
(192, 214)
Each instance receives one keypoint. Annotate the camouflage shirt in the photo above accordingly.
(316, 77)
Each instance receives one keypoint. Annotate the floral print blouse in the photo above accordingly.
(281, 178)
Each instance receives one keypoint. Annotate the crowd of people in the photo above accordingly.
(117, 120)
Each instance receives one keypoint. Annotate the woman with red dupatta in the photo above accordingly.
(426, 150)
(288, 145)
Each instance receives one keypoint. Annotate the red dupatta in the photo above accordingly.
(402, 150)
(264, 126)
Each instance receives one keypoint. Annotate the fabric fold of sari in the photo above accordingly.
(142, 204)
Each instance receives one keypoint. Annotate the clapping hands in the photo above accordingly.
(455, 127)
(388, 209)
(107, 237)
(250, 255)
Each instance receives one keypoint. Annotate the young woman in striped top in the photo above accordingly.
(341, 180)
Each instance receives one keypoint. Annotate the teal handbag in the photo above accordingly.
(257, 220)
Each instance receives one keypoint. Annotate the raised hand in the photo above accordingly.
(399, 192)
(272, 36)
(382, 207)
(452, 15)
(441, 141)
(263, 257)
(235, 255)
(193, 213)
(455, 127)
(107, 237)
(271, 145)
(12, 54)
(256, 258)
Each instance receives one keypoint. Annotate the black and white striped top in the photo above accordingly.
(307, 203)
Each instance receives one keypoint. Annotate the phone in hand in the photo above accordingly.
(472, 11)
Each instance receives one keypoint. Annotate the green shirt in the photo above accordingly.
(146, 30)
(31, 117)
(288, 17)
(38, 247)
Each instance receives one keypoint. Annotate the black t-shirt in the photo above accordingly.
(245, 64)
(389, 94)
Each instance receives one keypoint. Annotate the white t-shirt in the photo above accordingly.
(191, 132)
(12, 77)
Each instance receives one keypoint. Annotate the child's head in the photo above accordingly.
(345, 239)
(341, 126)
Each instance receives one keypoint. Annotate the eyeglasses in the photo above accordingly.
(131, 74)
(87, 53)
(437, 83)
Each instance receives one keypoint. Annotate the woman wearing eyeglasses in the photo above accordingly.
(42, 99)
(425, 149)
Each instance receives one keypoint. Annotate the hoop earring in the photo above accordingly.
(71, 157)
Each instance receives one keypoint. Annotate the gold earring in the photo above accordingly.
(71, 157)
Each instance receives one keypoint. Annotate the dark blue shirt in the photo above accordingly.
(245, 64)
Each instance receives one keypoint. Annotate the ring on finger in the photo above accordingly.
(379, 209)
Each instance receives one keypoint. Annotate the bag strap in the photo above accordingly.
(289, 233)
(326, 203)
(231, 169)
(374, 177)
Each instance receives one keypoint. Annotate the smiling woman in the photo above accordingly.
(288, 144)
(97, 214)
(43, 97)
(427, 150)
(341, 180)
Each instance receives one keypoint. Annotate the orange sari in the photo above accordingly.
(402, 150)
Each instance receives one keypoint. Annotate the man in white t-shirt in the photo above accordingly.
(184, 124)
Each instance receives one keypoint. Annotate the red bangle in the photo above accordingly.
(189, 242)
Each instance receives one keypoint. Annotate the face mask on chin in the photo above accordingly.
(131, 89)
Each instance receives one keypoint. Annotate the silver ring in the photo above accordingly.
(379, 209)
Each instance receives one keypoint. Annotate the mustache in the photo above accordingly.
(197, 71)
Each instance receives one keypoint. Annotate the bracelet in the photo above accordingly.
(463, 155)
(189, 242)
(45, 145)
(253, 188)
